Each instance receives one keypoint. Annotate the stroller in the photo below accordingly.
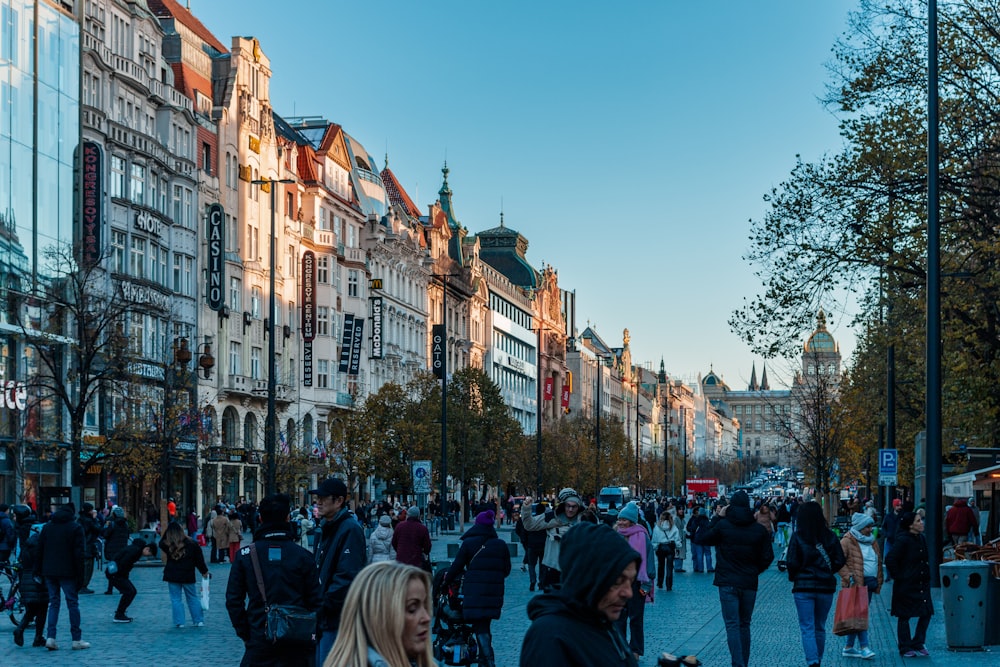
(454, 641)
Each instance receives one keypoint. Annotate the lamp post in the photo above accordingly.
(538, 413)
(443, 360)
(684, 482)
(180, 360)
(270, 425)
(599, 387)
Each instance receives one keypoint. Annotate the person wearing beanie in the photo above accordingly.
(482, 564)
(890, 526)
(743, 551)
(863, 565)
(701, 556)
(908, 563)
(556, 523)
(412, 540)
(287, 573)
(124, 561)
(638, 538)
(577, 624)
(380, 542)
(116, 536)
(91, 531)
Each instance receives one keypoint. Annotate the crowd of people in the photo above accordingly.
(362, 577)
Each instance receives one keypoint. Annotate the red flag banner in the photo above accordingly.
(565, 397)
(549, 388)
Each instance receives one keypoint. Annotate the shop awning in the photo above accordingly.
(962, 486)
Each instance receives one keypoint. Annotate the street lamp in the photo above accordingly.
(181, 358)
(442, 359)
(270, 427)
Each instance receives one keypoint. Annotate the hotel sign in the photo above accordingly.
(216, 257)
(437, 350)
(93, 193)
(143, 295)
(350, 348)
(377, 327)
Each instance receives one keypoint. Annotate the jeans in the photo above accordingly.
(737, 608)
(484, 638)
(532, 557)
(862, 637)
(665, 568)
(66, 586)
(702, 557)
(813, 607)
(189, 591)
(782, 534)
(905, 641)
(633, 618)
(127, 589)
(325, 642)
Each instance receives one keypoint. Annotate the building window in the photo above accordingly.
(235, 297)
(178, 202)
(289, 204)
(291, 261)
(235, 354)
(323, 269)
(206, 157)
(322, 373)
(118, 251)
(255, 363)
(137, 258)
(322, 321)
(352, 282)
(137, 186)
(117, 185)
(255, 301)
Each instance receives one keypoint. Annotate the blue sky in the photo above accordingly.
(629, 142)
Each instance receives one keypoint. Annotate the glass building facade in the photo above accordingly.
(39, 137)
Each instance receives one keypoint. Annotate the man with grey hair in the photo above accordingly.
(556, 522)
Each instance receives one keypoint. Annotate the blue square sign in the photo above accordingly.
(888, 462)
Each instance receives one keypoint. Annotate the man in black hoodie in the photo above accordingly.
(60, 562)
(124, 561)
(574, 626)
(742, 551)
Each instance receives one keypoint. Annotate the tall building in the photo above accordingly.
(39, 143)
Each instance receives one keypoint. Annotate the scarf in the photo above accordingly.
(862, 538)
(636, 537)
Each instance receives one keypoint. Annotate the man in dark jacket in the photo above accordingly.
(340, 555)
(484, 561)
(34, 595)
(289, 577)
(411, 539)
(60, 562)
(534, 543)
(91, 531)
(124, 561)
(8, 535)
(742, 551)
(575, 624)
(890, 526)
(116, 535)
(701, 555)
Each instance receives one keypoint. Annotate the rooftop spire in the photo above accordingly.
(753, 379)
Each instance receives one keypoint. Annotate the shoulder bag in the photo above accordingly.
(284, 623)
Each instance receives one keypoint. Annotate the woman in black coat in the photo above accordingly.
(116, 537)
(485, 560)
(909, 567)
(35, 596)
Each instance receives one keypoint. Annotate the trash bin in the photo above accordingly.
(963, 592)
(993, 612)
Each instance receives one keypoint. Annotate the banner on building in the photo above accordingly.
(307, 363)
(356, 343)
(376, 327)
(565, 397)
(549, 388)
(309, 295)
(438, 351)
(346, 339)
(93, 200)
(216, 233)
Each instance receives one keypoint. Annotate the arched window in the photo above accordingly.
(250, 431)
(307, 433)
(230, 419)
(290, 432)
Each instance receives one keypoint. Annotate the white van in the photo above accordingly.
(619, 495)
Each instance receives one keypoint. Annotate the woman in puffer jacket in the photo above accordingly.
(814, 556)
(864, 565)
(380, 542)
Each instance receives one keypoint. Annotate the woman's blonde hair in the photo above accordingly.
(374, 615)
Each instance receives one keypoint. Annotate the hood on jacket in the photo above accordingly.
(480, 530)
(740, 516)
(591, 558)
(960, 502)
(63, 514)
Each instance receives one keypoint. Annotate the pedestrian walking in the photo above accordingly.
(124, 561)
(701, 554)
(412, 541)
(765, 517)
(635, 534)
(380, 542)
(192, 523)
(960, 522)
(890, 527)
(286, 573)
(482, 564)
(306, 526)
(576, 624)
(116, 536)
(340, 555)
(387, 619)
(8, 535)
(60, 562)
(181, 557)
(91, 531)
(680, 520)
(665, 537)
(743, 550)
(556, 523)
(235, 534)
(908, 564)
(533, 542)
(220, 534)
(864, 564)
(34, 595)
(814, 557)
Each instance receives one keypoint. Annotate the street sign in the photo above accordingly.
(888, 480)
(421, 476)
(888, 462)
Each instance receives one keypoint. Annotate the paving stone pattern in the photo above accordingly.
(685, 620)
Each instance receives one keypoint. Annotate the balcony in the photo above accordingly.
(239, 384)
(326, 238)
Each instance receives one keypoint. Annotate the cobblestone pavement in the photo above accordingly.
(685, 620)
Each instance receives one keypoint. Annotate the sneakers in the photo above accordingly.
(911, 654)
(123, 619)
(179, 626)
(51, 644)
(850, 652)
(866, 653)
(199, 624)
(923, 651)
(80, 645)
(39, 641)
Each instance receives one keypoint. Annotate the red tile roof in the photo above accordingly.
(186, 18)
(397, 195)
(187, 80)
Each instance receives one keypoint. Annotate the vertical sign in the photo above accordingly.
(307, 363)
(216, 257)
(565, 397)
(308, 295)
(356, 342)
(437, 350)
(549, 388)
(376, 327)
(421, 476)
(345, 343)
(92, 200)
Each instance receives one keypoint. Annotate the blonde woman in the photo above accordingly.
(386, 620)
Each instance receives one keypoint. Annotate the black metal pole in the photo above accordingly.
(270, 426)
(684, 482)
(444, 395)
(638, 439)
(538, 412)
(932, 459)
(597, 430)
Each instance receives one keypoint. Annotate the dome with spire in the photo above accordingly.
(821, 340)
(714, 381)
